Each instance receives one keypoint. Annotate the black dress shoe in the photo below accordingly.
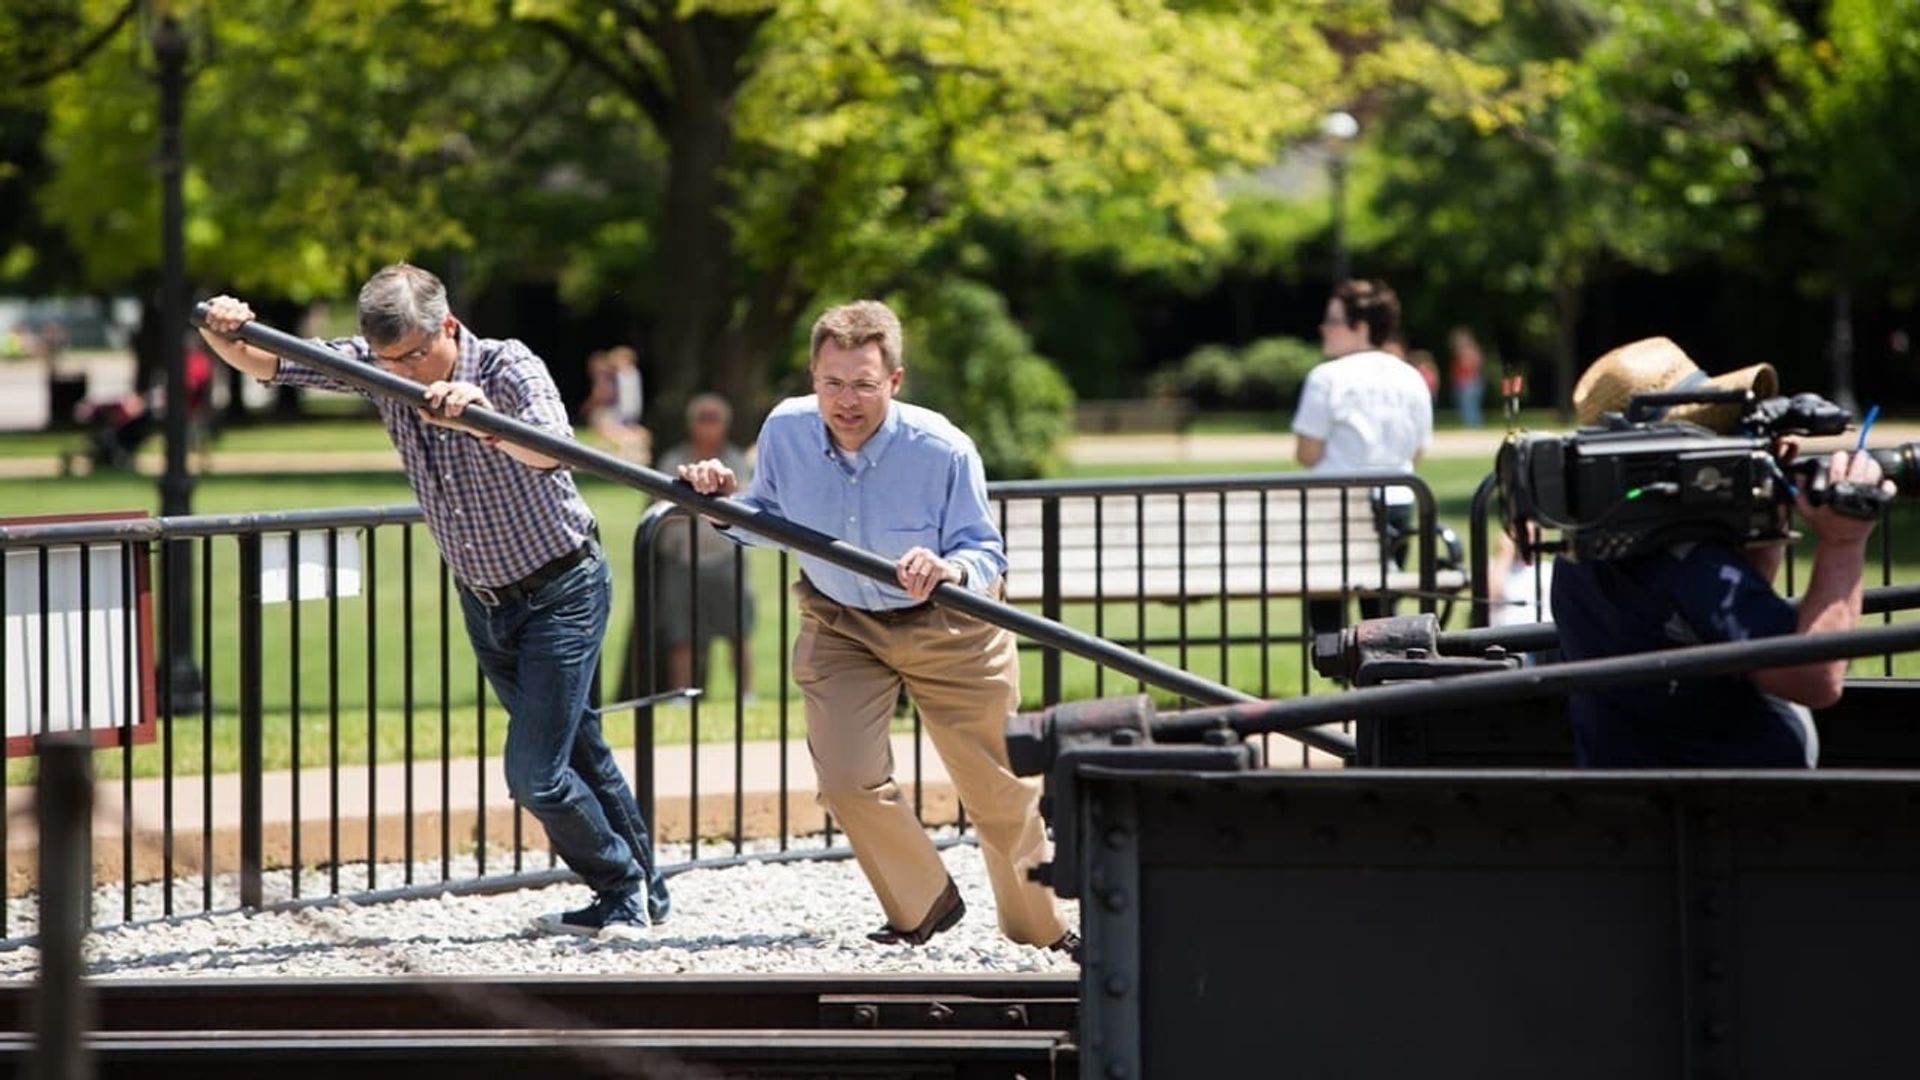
(1069, 943)
(946, 911)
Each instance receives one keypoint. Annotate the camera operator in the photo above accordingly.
(1703, 592)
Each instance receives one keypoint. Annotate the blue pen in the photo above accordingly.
(1873, 413)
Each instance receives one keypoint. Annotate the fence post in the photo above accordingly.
(252, 723)
(63, 1011)
(641, 671)
(1050, 594)
(1477, 541)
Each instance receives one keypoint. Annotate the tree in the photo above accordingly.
(822, 149)
(1851, 160)
(967, 358)
(323, 139)
(1621, 134)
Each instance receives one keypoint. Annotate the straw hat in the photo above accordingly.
(1654, 364)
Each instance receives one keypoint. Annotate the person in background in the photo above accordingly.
(709, 418)
(1465, 373)
(1517, 583)
(1423, 362)
(614, 401)
(1364, 408)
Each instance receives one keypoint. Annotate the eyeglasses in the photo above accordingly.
(414, 355)
(862, 388)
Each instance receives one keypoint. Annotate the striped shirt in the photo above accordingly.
(494, 519)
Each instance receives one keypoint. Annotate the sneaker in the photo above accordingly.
(622, 916)
(659, 903)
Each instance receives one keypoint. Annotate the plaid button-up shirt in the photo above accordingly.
(494, 519)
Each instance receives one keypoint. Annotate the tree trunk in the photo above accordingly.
(1840, 347)
(700, 339)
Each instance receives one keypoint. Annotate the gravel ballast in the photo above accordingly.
(796, 917)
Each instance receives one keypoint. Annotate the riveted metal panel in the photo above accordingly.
(1373, 923)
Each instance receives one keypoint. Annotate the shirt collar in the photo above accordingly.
(870, 451)
(466, 366)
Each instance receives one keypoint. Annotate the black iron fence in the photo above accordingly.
(1211, 574)
(327, 736)
(347, 745)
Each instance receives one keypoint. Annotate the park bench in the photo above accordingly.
(1176, 546)
(1121, 416)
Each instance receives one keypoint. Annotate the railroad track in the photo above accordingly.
(660, 1026)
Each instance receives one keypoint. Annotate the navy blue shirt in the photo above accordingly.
(1686, 595)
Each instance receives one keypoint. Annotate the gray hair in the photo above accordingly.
(399, 301)
(709, 401)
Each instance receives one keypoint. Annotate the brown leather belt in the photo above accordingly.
(496, 595)
(885, 615)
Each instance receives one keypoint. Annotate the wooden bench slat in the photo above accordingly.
(1165, 585)
(1104, 558)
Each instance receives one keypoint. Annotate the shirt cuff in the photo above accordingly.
(980, 572)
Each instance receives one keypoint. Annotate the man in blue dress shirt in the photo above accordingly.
(901, 481)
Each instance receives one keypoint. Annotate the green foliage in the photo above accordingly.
(323, 139)
(1091, 124)
(1265, 374)
(1860, 159)
(968, 360)
(1587, 137)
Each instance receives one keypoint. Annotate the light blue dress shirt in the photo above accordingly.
(917, 482)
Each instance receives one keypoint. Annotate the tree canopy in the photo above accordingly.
(721, 168)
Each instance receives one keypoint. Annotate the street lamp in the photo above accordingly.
(170, 47)
(1340, 128)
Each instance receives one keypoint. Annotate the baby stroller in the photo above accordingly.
(116, 427)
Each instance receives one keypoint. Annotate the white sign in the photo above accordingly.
(73, 695)
(299, 570)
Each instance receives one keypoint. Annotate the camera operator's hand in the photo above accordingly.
(1829, 524)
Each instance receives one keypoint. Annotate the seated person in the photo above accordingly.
(1702, 592)
(708, 419)
(614, 400)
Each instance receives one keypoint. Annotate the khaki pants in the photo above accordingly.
(964, 676)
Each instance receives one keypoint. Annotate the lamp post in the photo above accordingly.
(1340, 128)
(176, 484)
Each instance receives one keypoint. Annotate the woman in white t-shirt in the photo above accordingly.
(1364, 408)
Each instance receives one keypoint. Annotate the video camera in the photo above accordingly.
(1635, 483)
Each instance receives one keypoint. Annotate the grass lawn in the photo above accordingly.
(386, 651)
(1279, 421)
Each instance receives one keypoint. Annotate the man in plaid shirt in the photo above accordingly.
(534, 584)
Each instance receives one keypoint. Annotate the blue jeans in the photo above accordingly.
(541, 653)
(1466, 396)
